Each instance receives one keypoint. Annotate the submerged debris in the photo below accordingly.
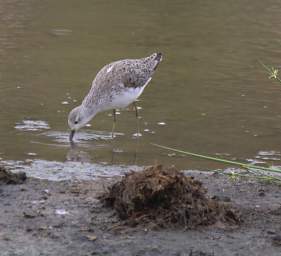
(8, 177)
(166, 198)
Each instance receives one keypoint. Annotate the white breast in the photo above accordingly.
(126, 97)
(123, 97)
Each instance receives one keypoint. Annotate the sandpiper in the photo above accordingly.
(116, 85)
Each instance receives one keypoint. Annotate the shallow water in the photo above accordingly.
(209, 95)
(69, 170)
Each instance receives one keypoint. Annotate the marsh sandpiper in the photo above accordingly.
(116, 85)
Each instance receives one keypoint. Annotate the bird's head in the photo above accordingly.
(76, 120)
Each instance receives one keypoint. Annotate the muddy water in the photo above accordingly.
(210, 95)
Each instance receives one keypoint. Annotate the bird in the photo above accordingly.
(116, 86)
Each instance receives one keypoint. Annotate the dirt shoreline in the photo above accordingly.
(41, 217)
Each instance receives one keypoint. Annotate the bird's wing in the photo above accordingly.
(139, 72)
(130, 73)
(136, 79)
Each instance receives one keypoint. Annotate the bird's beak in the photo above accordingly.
(71, 135)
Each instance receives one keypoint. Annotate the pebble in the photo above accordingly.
(61, 212)
(276, 240)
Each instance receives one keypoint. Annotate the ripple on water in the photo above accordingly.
(57, 171)
(161, 123)
(81, 136)
(60, 32)
(32, 125)
(269, 155)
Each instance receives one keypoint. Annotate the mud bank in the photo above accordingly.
(40, 217)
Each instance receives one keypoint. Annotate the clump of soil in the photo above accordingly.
(8, 177)
(166, 198)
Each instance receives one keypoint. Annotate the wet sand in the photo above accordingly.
(41, 217)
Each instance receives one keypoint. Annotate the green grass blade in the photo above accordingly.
(243, 165)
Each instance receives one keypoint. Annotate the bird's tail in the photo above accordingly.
(153, 60)
(158, 56)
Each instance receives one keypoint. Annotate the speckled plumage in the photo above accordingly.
(116, 85)
(119, 76)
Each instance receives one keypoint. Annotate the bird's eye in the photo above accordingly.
(76, 122)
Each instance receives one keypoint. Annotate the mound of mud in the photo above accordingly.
(166, 198)
(7, 177)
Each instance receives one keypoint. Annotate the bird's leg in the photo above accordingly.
(114, 122)
(137, 117)
(138, 132)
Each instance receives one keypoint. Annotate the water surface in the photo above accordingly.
(209, 95)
